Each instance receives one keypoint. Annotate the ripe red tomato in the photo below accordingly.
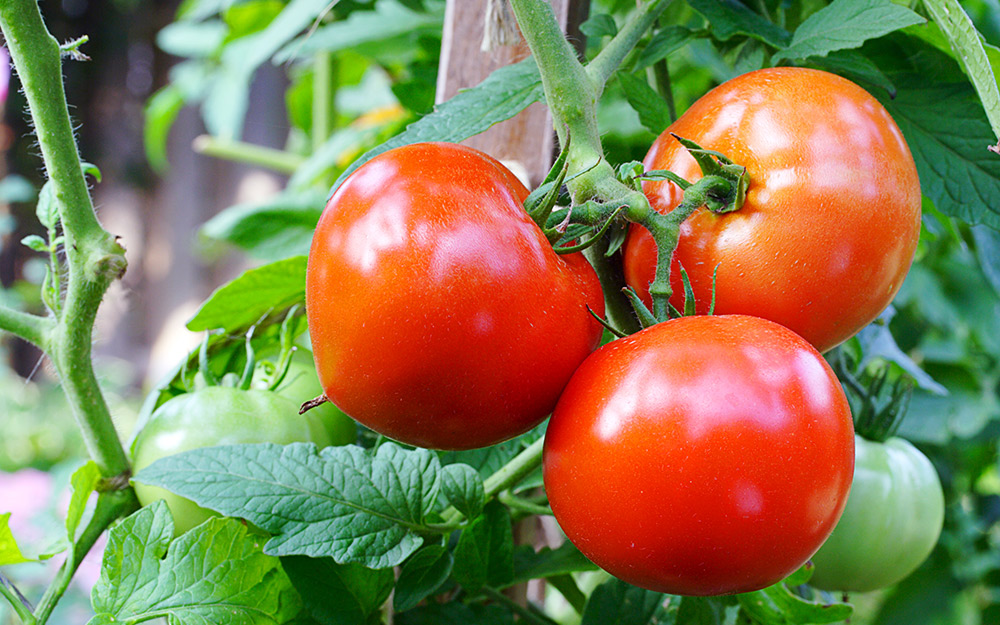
(831, 217)
(701, 456)
(438, 312)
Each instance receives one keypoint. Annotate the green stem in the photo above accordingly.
(110, 506)
(523, 505)
(610, 271)
(93, 255)
(17, 601)
(608, 59)
(514, 472)
(324, 98)
(507, 476)
(569, 91)
(661, 76)
(666, 232)
(32, 328)
(249, 153)
(37, 57)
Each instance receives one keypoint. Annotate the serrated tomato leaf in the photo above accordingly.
(846, 24)
(215, 574)
(344, 502)
(484, 553)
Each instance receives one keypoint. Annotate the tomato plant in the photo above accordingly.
(438, 312)
(701, 456)
(216, 415)
(831, 218)
(891, 522)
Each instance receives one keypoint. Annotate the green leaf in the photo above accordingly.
(599, 25)
(484, 553)
(948, 134)
(455, 613)
(708, 611)
(778, 604)
(877, 343)
(857, 67)
(502, 95)
(247, 18)
(215, 574)
(846, 24)
(547, 562)
(653, 111)
(463, 488)
(422, 574)
(988, 252)
(47, 209)
(665, 42)
(616, 603)
(192, 39)
(344, 502)
(35, 242)
(968, 46)
(252, 295)
(728, 18)
(161, 112)
(276, 229)
(10, 553)
(83, 482)
(339, 593)
(486, 460)
(388, 20)
(16, 189)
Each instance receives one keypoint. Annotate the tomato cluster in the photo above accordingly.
(703, 455)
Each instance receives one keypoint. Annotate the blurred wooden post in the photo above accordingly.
(528, 138)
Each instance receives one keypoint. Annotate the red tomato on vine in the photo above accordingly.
(832, 214)
(701, 456)
(439, 314)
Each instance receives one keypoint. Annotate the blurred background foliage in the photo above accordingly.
(220, 126)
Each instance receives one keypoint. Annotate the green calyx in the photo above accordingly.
(877, 404)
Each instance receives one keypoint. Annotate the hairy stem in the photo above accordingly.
(93, 255)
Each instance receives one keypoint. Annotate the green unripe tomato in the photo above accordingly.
(302, 384)
(891, 523)
(216, 415)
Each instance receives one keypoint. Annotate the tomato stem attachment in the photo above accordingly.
(312, 403)
(878, 408)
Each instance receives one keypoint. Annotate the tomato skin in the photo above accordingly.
(891, 523)
(212, 416)
(831, 218)
(439, 314)
(701, 456)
